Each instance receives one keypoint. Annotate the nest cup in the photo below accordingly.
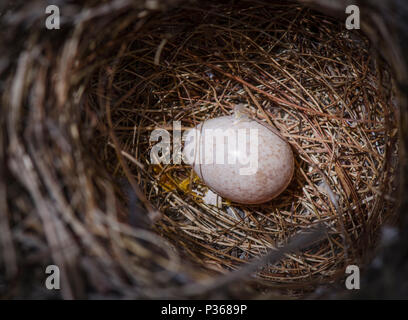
(294, 69)
(138, 229)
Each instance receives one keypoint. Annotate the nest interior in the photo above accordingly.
(142, 230)
(298, 71)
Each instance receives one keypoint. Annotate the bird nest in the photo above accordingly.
(82, 147)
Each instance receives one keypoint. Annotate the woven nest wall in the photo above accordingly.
(80, 104)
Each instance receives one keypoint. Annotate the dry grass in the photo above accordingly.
(295, 69)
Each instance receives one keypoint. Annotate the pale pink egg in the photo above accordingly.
(239, 158)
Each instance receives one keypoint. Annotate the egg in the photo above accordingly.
(240, 159)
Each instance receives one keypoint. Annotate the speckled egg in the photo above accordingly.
(240, 159)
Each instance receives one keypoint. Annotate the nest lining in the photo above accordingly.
(293, 68)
